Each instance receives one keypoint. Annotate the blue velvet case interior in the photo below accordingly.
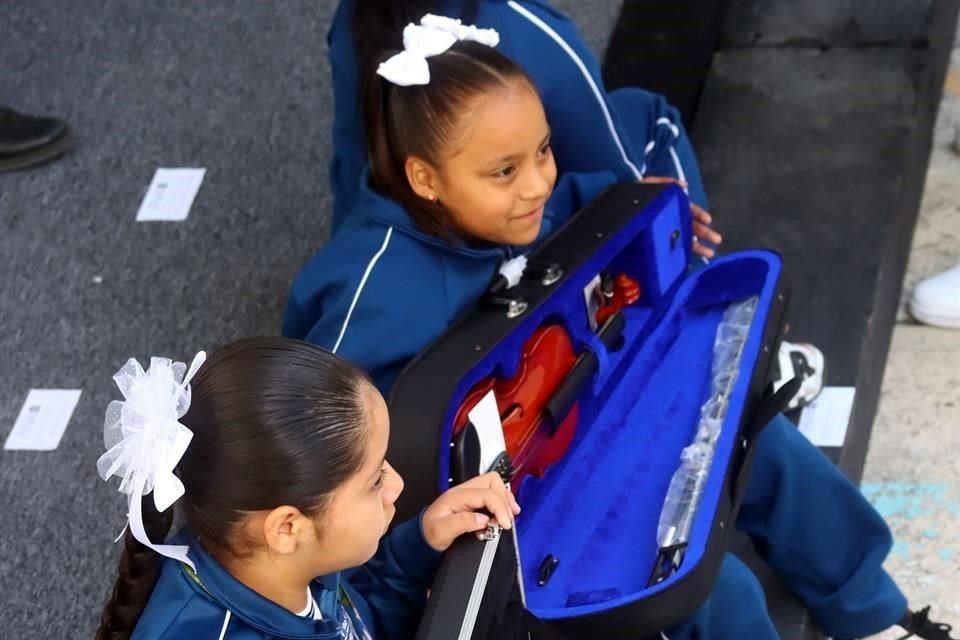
(597, 509)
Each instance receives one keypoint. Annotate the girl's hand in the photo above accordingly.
(701, 220)
(455, 512)
(702, 231)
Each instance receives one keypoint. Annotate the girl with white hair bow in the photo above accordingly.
(274, 452)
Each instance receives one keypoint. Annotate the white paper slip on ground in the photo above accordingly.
(43, 419)
(824, 422)
(170, 195)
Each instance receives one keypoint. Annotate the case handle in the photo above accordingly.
(773, 403)
(770, 404)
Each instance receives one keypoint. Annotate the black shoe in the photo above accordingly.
(26, 141)
(920, 626)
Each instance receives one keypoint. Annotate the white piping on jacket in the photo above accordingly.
(666, 122)
(523, 11)
(638, 173)
(676, 165)
(363, 282)
(226, 621)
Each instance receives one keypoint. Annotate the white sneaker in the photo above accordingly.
(936, 300)
(804, 361)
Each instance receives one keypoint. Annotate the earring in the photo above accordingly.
(432, 197)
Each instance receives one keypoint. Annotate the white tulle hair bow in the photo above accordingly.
(433, 36)
(145, 439)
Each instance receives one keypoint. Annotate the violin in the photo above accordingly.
(535, 441)
(538, 403)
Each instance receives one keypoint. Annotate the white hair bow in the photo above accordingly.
(145, 439)
(433, 36)
(461, 31)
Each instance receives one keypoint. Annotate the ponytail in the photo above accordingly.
(387, 171)
(137, 574)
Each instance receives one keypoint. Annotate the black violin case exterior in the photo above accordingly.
(616, 420)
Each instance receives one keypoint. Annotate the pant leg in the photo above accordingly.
(820, 534)
(735, 610)
(657, 139)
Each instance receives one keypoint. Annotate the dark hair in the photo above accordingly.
(420, 120)
(275, 422)
(378, 25)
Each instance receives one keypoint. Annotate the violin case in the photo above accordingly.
(589, 556)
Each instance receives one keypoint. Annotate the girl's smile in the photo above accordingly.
(536, 213)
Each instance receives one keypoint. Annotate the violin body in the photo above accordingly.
(536, 434)
(533, 443)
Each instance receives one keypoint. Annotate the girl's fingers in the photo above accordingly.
(701, 214)
(663, 180)
(497, 485)
(703, 232)
(456, 511)
(703, 250)
(445, 530)
(470, 499)
(465, 522)
(494, 482)
(701, 229)
(514, 503)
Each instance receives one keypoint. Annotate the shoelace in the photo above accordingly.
(922, 627)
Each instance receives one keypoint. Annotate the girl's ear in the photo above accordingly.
(283, 528)
(423, 178)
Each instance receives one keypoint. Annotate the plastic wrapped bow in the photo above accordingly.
(145, 439)
(688, 482)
